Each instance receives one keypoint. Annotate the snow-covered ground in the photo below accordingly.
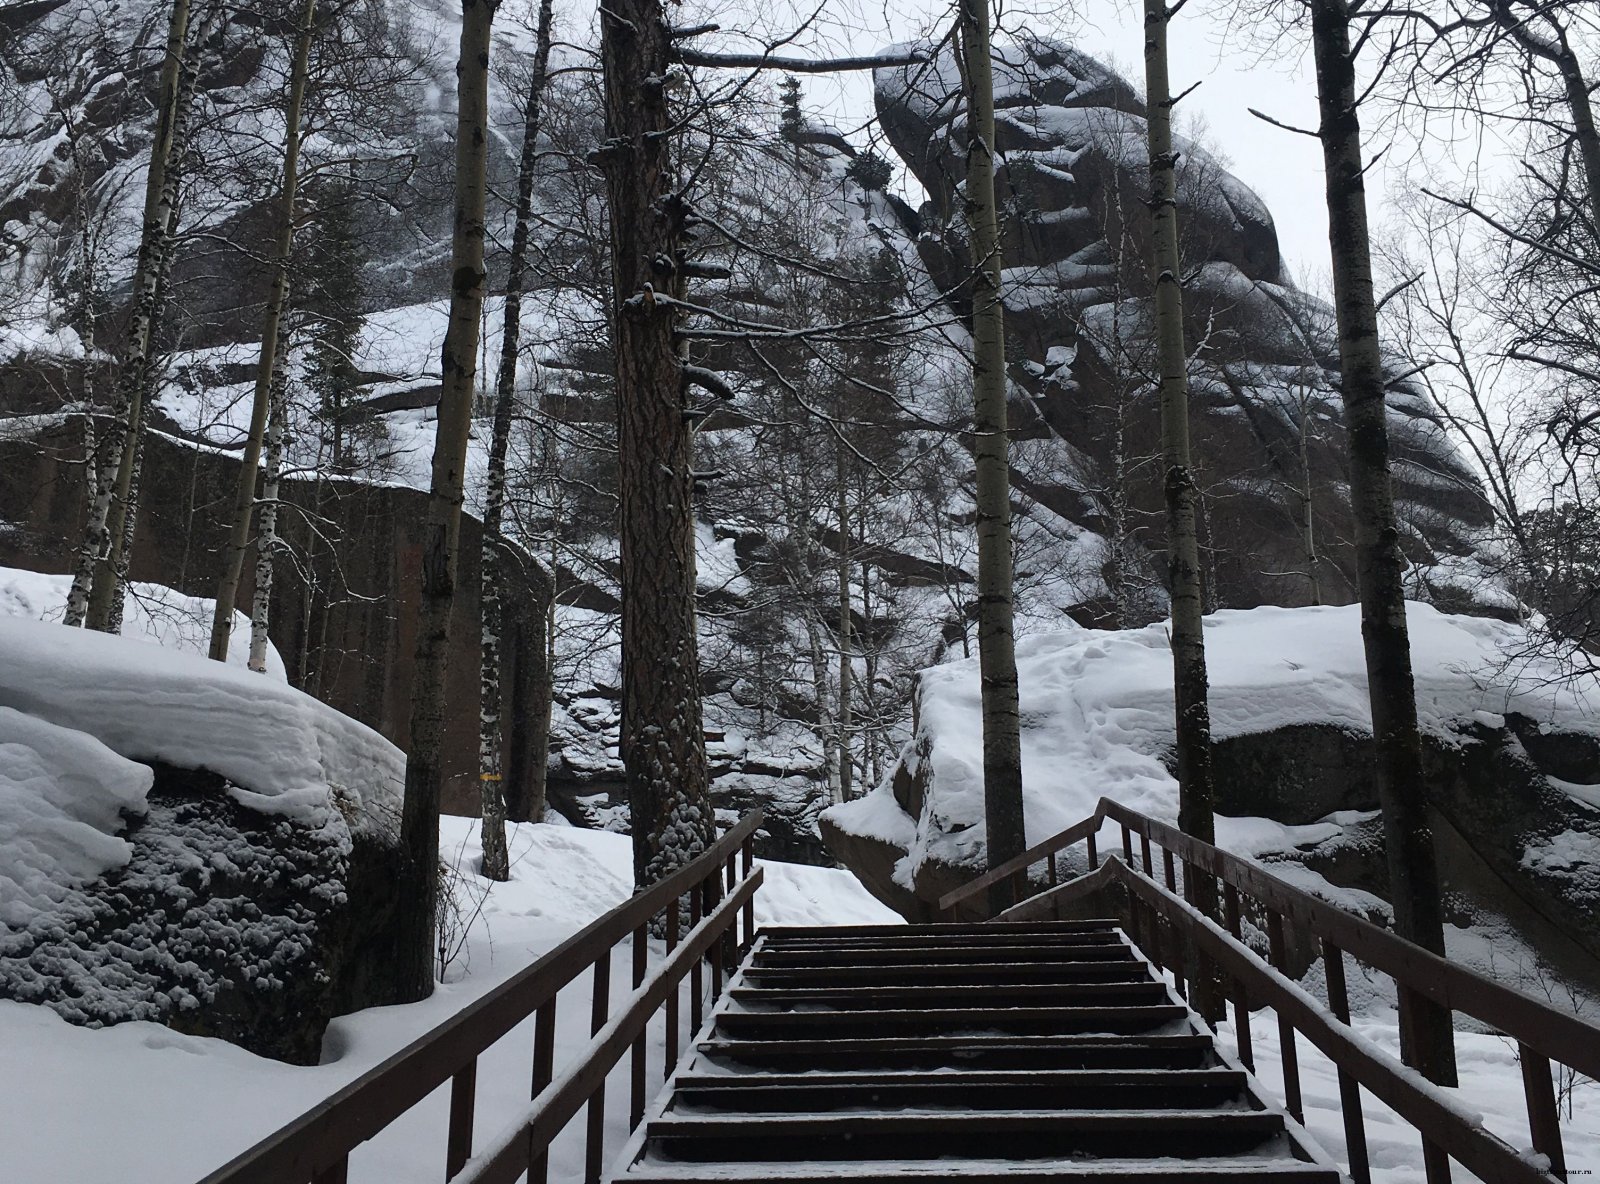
(140, 1104)
(1097, 715)
(151, 612)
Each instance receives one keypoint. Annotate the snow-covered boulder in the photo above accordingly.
(1513, 756)
(231, 838)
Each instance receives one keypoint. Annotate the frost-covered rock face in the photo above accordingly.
(1512, 759)
(1074, 181)
(188, 842)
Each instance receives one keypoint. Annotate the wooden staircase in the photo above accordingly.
(1023, 1053)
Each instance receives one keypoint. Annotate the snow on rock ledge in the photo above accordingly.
(151, 612)
(284, 752)
(62, 799)
(1097, 721)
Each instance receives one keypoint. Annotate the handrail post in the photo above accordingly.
(696, 975)
(1291, 1059)
(748, 852)
(670, 1060)
(458, 1136)
(1094, 854)
(1544, 1121)
(637, 1065)
(1144, 854)
(594, 1144)
(1241, 996)
(544, 1053)
(1127, 845)
(1355, 1130)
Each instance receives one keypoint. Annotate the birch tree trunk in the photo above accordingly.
(492, 798)
(267, 541)
(96, 564)
(663, 742)
(244, 496)
(1196, 794)
(419, 824)
(997, 661)
(1426, 1038)
(846, 758)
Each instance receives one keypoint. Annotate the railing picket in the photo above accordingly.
(1355, 1128)
(696, 976)
(670, 1060)
(1051, 865)
(716, 947)
(1094, 853)
(1544, 1121)
(1435, 1163)
(335, 1173)
(749, 853)
(1127, 846)
(1144, 853)
(458, 1138)
(1166, 870)
(637, 1065)
(1241, 997)
(595, 1140)
(1287, 1051)
(544, 1065)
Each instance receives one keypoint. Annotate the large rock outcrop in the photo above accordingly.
(1512, 757)
(189, 843)
(1074, 178)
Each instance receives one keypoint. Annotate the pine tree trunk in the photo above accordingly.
(1427, 1042)
(267, 541)
(96, 564)
(1196, 795)
(244, 495)
(496, 860)
(997, 661)
(419, 824)
(663, 743)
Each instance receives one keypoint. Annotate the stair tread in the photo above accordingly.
(1265, 1120)
(777, 1171)
(968, 1077)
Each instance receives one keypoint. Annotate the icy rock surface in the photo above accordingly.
(1073, 172)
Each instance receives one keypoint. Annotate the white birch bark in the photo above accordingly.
(95, 563)
(271, 325)
(267, 540)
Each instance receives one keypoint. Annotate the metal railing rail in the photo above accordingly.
(720, 886)
(1544, 1034)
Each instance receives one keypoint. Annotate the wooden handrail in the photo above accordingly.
(1555, 1033)
(1402, 1089)
(509, 1153)
(1021, 863)
(310, 1147)
(1544, 1033)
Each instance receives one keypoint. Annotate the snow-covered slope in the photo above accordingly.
(198, 1102)
(151, 612)
(1097, 711)
(285, 752)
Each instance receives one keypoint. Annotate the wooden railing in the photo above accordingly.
(1166, 923)
(720, 888)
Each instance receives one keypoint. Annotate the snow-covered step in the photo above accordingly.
(1216, 1170)
(1041, 1021)
(764, 1093)
(1123, 969)
(946, 995)
(1021, 1134)
(1009, 951)
(839, 934)
(1180, 1051)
